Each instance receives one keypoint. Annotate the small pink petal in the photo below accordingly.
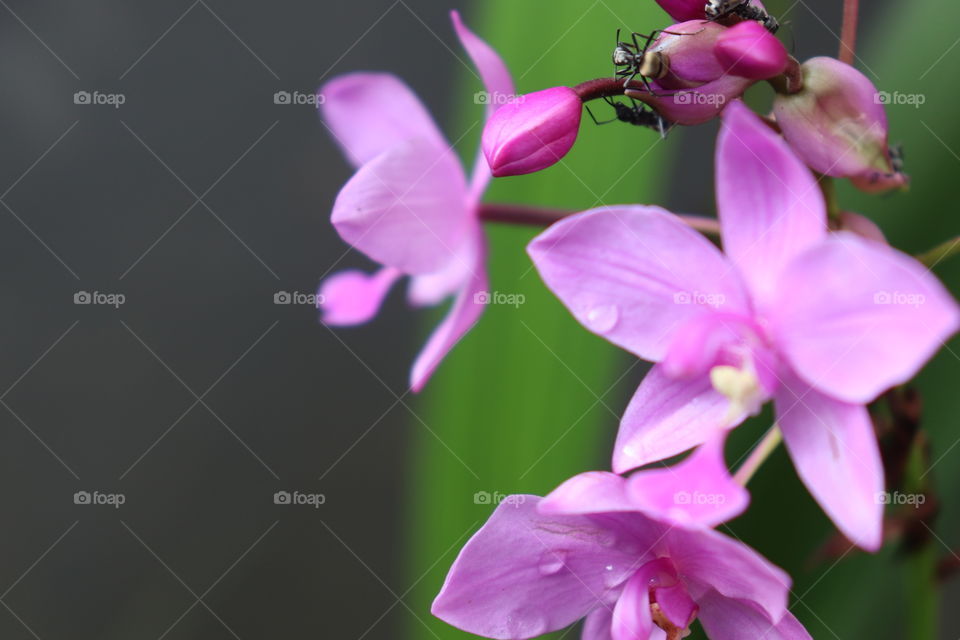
(631, 615)
(681, 10)
(710, 560)
(732, 619)
(464, 313)
(668, 416)
(835, 452)
(429, 289)
(698, 492)
(354, 297)
(406, 208)
(677, 605)
(497, 83)
(748, 49)
(532, 132)
(862, 226)
(589, 492)
(368, 113)
(770, 207)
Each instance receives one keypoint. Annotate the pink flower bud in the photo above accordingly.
(533, 132)
(838, 126)
(748, 49)
(684, 9)
(698, 104)
(687, 54)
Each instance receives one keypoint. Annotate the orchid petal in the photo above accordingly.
(676, 605)
(709, 560)
(369, 113)
(684, 9)
(668, 416)
(834, 449)
(406, 208)
(524, 574)
(498, 84)
(586, 493)
(496, 78)
(769, 204)
(696, 492)
(728, 619)
(597, 625)
(855, 317)
(464, 313)
(631, 615)
(354, 297)
(634, 274)
(430, 289)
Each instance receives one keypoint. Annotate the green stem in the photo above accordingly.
(941, 252)
(759, 455)
(923, 597)
(829, 188)
(920, 562)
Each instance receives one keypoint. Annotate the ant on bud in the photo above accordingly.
(636, 114)
(631, 59)
(720, 9)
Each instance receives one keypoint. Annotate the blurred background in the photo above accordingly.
(165, 188)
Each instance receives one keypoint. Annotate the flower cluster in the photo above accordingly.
(816, 313)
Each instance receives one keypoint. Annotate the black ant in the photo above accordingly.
(631, 60)
(897, 158)
(719, 9)
(636, 114)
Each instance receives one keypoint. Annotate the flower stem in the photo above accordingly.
(920, 554)
(941, 252)
(791, 80)
(542, 217)
(759, 455)
(848, 34)
(829, 189)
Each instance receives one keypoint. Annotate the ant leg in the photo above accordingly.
(594, 118)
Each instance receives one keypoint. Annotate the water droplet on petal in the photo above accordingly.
(552, 562)
(603, 319)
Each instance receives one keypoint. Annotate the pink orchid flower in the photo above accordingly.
(630, 555)
(409, 206)
(819, 322)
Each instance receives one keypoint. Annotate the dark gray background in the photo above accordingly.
(97, 398)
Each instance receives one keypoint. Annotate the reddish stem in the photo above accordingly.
(540, 217)
(848, 33)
